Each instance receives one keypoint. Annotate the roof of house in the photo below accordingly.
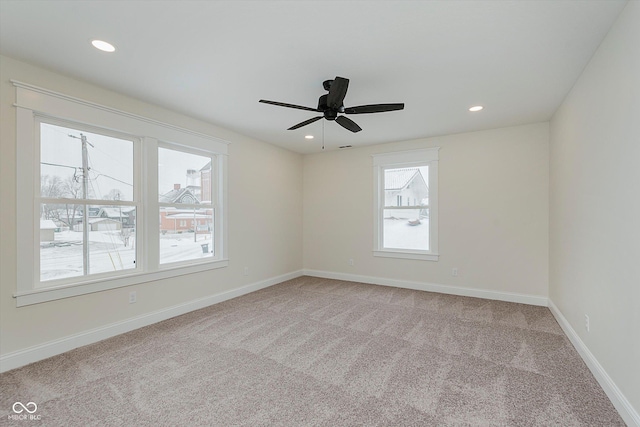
(188, 216)
(47, 224)
(176, 196)
(115, 212)
(94, 220)
(206, 167)
(397, 179)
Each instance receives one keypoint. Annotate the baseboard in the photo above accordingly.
(624, 407)
(42, 351)
(433, 287)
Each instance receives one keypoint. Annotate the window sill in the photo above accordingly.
(40, 295)
(406, 255)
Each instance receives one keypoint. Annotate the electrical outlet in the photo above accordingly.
(454, 271)
(351, 261)
(133, 297)
(245, 271)
(586, 323)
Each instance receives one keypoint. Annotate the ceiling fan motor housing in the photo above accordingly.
(329, 113)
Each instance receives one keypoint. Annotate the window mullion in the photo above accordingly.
(149, 182)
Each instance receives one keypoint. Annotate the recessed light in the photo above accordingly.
(308, 136)
(476, 108)
(103, 46)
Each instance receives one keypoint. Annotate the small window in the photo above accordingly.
(406, 204)
(185, 203)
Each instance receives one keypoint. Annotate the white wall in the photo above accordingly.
(595, 205)
(265, 223)
(493, 212)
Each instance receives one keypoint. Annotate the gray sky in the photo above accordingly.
(110, 161)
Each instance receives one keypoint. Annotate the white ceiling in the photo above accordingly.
(214, 60)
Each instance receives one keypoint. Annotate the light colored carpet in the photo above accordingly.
(321, 352)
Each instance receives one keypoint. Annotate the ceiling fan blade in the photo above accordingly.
(337, 92)
(348, 124)
(282, 104)
(374, 108)
(306, 122)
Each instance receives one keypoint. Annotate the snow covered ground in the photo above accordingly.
(399, 234)
(182, 247)
(107, 252)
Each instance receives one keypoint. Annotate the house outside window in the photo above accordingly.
(405, 204)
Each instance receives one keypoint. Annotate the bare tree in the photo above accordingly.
(55, 187)
(51, 187)
(72, 189)
(114, 194)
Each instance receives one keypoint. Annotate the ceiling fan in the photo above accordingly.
(331, 104)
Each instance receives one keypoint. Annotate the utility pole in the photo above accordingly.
(85, 195)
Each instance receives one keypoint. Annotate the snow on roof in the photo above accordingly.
(175, 196)
(115, 212)
(206, 167)
(94, 220)
(47, 224)
(187, 216)
(397, 179)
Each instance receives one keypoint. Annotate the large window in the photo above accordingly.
(109, 199)
(87, 203)
(405, 204)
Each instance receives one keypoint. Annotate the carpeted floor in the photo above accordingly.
(324, 352)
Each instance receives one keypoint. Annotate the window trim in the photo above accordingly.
(136, 202)
(32, 102)
(399, 159)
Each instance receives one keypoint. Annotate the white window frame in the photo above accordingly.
(33, 102)
(38, 199)
(214, 204)
(402, 159)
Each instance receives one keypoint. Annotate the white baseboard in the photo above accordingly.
(433, 287)
(42, 351)
(620, 402)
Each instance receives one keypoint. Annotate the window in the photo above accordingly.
(405, 204)
(87, 202)
(182, 200)
(108, 199)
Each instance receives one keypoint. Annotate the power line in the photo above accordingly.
(62, 166)
(110, 177)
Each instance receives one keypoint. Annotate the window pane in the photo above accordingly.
(60, 246)
(183, 178)
(185, 234)
(109, 161)
(406, 186)
(406, 229)
(112, 238)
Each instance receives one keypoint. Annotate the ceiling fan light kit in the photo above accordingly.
(331, 105)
